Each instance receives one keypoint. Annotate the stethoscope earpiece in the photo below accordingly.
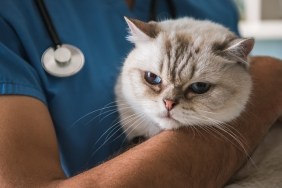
(64, 61)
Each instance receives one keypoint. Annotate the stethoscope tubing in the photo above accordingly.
(48, 23)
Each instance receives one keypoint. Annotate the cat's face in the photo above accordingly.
(184, 74)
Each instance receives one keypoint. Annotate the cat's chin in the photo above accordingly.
(168, 123)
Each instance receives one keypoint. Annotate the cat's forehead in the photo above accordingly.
(182, 51)
(206, 43)
(179, 44)
(186, 57)
(200, 35)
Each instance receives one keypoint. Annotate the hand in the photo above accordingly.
(265, 103)
(267, 73)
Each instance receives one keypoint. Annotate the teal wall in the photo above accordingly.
(268, 47)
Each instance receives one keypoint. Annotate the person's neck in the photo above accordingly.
(130, 3)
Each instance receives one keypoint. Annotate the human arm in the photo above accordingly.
(29, 152)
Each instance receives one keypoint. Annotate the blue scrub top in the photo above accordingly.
(82, 106)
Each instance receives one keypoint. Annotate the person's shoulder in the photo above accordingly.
(14, 7)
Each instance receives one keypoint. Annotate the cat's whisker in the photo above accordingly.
(136, 116)
(114, 125)
(215, 133)
(100, 114)
(226, 125)
(94, 111)
(127, 121)
(240, 138)
(223, 128)
(86, 115)
(133, 118)
(111, 129)
(209, 120)
(107, 139)
(205, 128)
(239, 141)
(195, 128)
(108, 112)
(207, 111)
(135, 126)
(216, 130)
(125, 139)
(115, 110)
(212, 131)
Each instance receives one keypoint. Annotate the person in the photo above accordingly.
(56, 131)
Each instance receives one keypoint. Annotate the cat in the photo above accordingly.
(188, 72)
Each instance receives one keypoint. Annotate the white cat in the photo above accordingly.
(187, 72)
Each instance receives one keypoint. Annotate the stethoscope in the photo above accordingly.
(60, 60)
(63, 60)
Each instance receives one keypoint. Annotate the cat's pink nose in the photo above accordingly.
(169, 104)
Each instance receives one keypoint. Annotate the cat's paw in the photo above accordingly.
(137, 140)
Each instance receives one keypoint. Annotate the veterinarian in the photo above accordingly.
(58, 65)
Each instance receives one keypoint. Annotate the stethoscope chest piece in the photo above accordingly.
(66, 60)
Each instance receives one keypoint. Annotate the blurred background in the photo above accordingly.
(262, 19)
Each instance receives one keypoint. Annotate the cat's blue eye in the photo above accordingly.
(152, 78)
(199, 87)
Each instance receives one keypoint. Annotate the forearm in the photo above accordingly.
(170, 159)
(182, 158)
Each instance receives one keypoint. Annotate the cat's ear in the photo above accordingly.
(141, 31)
(239, 49)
